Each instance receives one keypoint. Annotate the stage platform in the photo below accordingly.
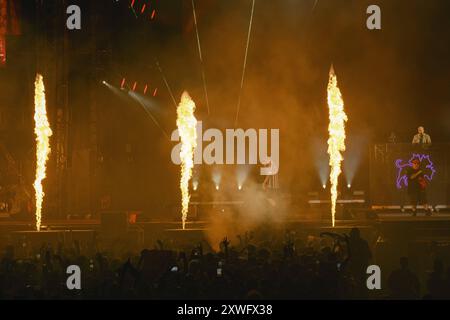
(398, 227)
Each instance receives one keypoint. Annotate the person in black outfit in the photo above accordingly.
(417, 185)
(359, 260)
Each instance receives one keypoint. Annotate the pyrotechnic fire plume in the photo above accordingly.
(43, 132)
(186, 124)
(336, 140)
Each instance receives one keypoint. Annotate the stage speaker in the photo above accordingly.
(114, 223)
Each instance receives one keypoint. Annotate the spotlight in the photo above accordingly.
(216, 177)
(242, 172)
(324, 186)
(349, 185)
(104, 82)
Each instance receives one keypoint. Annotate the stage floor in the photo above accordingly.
(83, 224)
(384, 226)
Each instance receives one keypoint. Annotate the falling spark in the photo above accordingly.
(43, 132)
(186, 124)
(336, 141)
(245, 63)
(132, 8)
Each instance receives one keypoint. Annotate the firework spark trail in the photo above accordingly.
(43, 132)
(134, 12)
(186, 124)
(336, 141)
(166, 83)
(200, 55)
(245, 63)
(139, 100)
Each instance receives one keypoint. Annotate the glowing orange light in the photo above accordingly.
(43, 132)
(336, 140)
(186, 123)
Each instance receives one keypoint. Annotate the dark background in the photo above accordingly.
(392, 80)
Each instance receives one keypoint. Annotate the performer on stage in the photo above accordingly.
(421, 137)
(271, 180)
(417, 185)
(270, 185)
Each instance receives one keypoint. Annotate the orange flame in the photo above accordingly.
(186, 123)
(336, 140)
(43, 132)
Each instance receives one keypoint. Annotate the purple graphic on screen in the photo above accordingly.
(425, 163)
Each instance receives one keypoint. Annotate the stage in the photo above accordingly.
(376, 228)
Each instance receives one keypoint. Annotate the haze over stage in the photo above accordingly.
(205, 148)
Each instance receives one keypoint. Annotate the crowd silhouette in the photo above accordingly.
(332, 266)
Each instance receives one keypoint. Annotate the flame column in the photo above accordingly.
(43, 132)
(187, 124)
(336, 140)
